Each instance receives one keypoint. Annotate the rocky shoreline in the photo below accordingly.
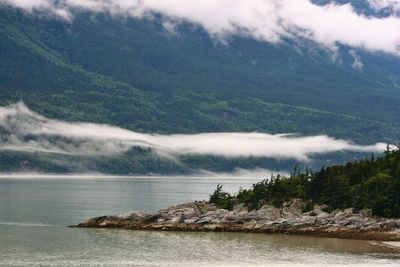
(289, 219)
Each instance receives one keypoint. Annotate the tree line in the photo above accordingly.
(372, 183)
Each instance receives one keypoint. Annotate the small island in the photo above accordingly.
(358, 200)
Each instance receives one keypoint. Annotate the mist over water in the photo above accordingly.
(27, 131)
(36, 209)
(237, 173)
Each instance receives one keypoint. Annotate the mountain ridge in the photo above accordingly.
(142, 76)
(101, 84)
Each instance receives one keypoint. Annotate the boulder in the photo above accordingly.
(205, 220)
(267, 212)
(390, 224)
(319, 211)
(343, 214)
(134, 216)
(192, 220)
(92, 222)
(367, 213)
(293, 209)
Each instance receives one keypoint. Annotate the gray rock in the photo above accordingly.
(390, 224)
(240, 207)
(366, 213)
(344, 214)
(319, 211)
(192, 220)
(207, 217)
(268, 212)
(205, 220)
(292, 209)
(134, 216)
(176, 219)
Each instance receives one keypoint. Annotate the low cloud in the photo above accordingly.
(265, 20)
(388, 5)
(357, 61)
(24, 130)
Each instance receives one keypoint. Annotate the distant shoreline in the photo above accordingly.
(203, 217)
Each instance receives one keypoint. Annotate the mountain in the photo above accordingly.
(142, 75)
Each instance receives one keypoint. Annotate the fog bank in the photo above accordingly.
(264, 20)
(25, 130)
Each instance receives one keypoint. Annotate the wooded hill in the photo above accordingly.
(370, 183)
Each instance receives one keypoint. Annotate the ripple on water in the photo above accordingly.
(34, 215)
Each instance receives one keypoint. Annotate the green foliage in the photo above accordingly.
(221, 199)
(379, 194)
(274, 191)
(135, 74)
(371, 183)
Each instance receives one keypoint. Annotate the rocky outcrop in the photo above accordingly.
(289, 219)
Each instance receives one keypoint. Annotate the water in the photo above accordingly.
(34, 213)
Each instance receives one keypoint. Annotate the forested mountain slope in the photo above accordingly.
(136, 74)
(149, 76)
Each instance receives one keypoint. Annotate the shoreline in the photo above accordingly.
(289, 219)
(382, 236)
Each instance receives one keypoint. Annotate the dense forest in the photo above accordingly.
(372, 183)
(135, 74)
(140, 161)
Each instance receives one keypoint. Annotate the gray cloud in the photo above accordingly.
(265, 20)
(25, 130)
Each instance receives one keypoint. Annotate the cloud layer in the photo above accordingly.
(390, 5)
(265, 20)
(24, 130)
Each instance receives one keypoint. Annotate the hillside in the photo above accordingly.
(135, 74)
(141, 75)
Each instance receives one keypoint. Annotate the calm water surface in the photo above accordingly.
(34, 213)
